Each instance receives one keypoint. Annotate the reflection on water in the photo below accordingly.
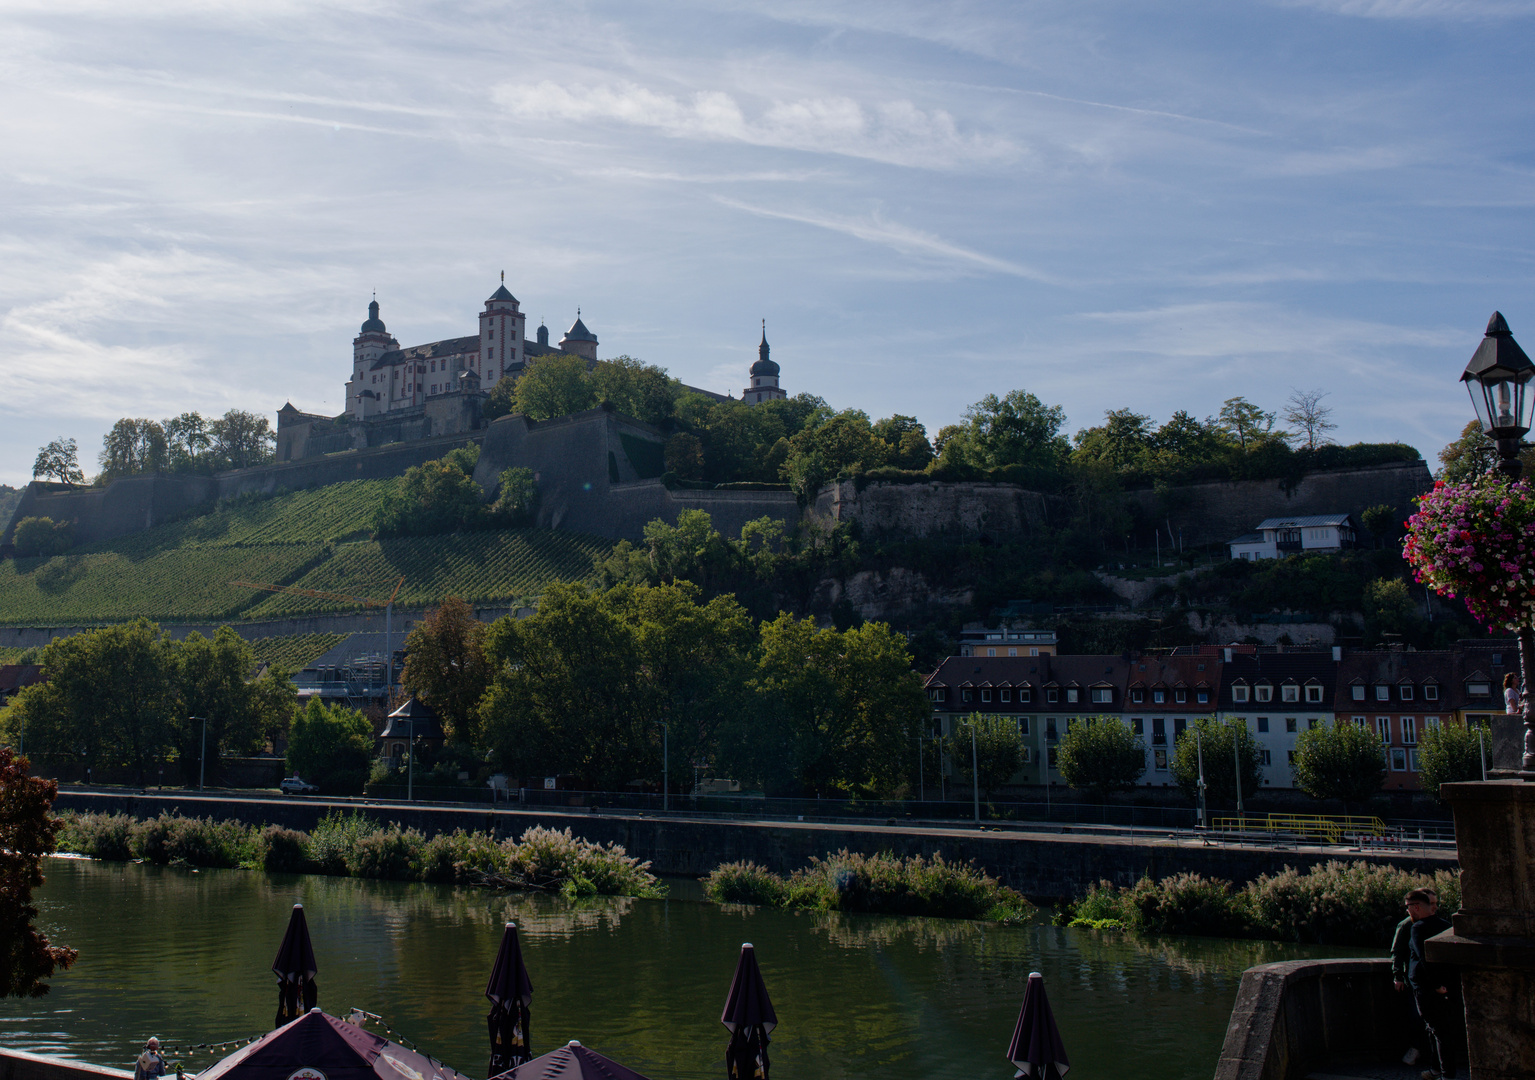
(187, 955)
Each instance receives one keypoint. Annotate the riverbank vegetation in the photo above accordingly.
(881, 884)
(1334, 904)
(351, 845)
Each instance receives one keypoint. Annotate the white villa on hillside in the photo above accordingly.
(1277, 537)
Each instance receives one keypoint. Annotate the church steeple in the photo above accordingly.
(762, 350)
(764, 376)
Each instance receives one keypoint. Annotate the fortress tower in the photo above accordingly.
(501, 329)
(580, 341)
(764, 375)
(364, 397)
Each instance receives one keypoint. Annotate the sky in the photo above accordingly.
(1111, 205)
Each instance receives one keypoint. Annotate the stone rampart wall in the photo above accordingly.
(1217, 512)
(957, 510)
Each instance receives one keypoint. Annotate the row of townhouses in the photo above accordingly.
(1277, 695)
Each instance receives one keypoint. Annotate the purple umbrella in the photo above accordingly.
(320, 1047)
(295, 968)
(749, 1016)
(571, 1062)
(1036, 1048)
(510, 992)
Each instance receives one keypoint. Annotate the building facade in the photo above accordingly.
(1277, 537)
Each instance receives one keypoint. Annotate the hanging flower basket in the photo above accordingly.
(1476, 541)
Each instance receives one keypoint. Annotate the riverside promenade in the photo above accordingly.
(1042, 861)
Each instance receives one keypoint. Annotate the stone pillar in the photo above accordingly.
(1492, 939)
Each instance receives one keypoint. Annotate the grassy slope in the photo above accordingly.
(293, 652)
(315, 539)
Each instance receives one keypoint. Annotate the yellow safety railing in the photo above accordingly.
(1331, 830)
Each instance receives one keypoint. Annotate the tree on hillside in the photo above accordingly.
(1245, 424)
(1451, 754)
(1310, 419)
(553, 385)
(27, 830)
(844, 443)
(214, 681)
(332, 747)
(42, 536)
(1015, 429)
(1346, 761)
(998, 750)
(906, 442)
(1228, 746)
(445, 667)
(242, 439)
(635, 388)
(1122, 442)
(132, 447)
(1102, 754)
(433, 497)
(187, 442)
(516, 497)
(59, 460)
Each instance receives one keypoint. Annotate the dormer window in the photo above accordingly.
(1356, 691)
(1180, 696)
(1025, 693)
(1004, 694)
(1137, 695)
(1052, 695)
(1479, 689)
(986, 694)
(1239, 693)
(1430, 692)
(940, 693)
(1406, 691)
(1382, 692)
(1314, 695)
(1072, 694)
(1204, 697)
(966, 694)
(1290, 692)
(1263, 692)
(1159, 697)
(1102, 695)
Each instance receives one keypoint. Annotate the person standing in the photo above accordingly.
(1511, 703)
(1435, 987)
(151, 1062)
(1401, 945)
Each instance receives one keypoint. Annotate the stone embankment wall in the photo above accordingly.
(1217, 512)
(1053, 865)
(951, 510)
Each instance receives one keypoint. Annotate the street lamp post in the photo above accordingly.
(1497, 378)
(1199, 748)
(202, 763)
(666, 764)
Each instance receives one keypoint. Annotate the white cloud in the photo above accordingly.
(895, 132)
(1422, 9)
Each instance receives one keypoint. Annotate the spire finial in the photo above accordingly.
(503, 277)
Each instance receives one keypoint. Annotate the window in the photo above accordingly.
(434, 388)
(1137, 725)
(1263, 725)
(1012, 651)
(1268, 757)
(1382, 692)
(1313, 694)
(1264, 692)
(1102, 695)
(1239, 693)
(1361, 721)
(1071, 694)
(1178, 725)
(1033, 652)
(986, 694)
(1052, 695)
(1023, 725)
(940, 693)
(1312, 724)
(1050, 729)
(1291, 758)
(1181, 696)
(966, 694)
(1050, 756)
(1289, 724)
(1409, 731)
(1289, 693)
(1025, 693)
(1406, 691)
(1356, 692)
(1430, 692)
(1138, 696)
(1479, 689)
(991, 652)
(1383, 727)
(1430, 722)
(1159, 696)
(1159, 760)
(1158, 731)
(1004, 694)
(1204, 697)
(1398, 759)
(1412, 760)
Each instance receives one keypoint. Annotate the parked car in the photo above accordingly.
(293, 785)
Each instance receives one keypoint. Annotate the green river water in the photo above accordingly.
(186, 955)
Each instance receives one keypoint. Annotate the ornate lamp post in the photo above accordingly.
(1497, 378)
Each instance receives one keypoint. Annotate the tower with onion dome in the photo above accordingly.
(764, 376)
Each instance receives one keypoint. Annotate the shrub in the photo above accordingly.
(745, 883)
(462, 858)
(281, 851)
(1450, 753)
(1186, 904)
(543, 859)
(334, 838)
(391, 854)
(41, 536)
(167, 840)
(100, 836)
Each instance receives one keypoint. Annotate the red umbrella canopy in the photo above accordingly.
(570, 1062)
(320, 1047)
(1036, 1048)
(747, 1005)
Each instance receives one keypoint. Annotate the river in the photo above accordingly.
(186, 955)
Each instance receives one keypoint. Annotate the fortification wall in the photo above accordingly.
(958, 510)
(1217, 512)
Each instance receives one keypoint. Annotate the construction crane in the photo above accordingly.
(366, 601)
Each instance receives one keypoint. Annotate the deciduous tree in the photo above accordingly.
(1245, 423)
(553, 385)
(35, 536)
(213, 677)
(1015, 429)
(132, 447)
(27, 828)
(242, 439)
(331, 746)
(59, 460)
(998, 750)
(1228, 747)
(1102, 754)
(1451, 754)
(1346, 761)
(445, 667)
(1310, 419)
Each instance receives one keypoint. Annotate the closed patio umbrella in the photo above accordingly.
(749, 1017)
(295, 968)
(510, 992)
(1036, 1048)
(571, 1062)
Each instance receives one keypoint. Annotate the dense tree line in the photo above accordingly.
(442, 496)
(189, 443)
(130, 696)
(598, 682)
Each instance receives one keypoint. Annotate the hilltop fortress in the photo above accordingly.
(405, 394)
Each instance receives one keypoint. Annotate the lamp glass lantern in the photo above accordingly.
(1498, 378)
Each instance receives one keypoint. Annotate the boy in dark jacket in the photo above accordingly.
(1435, 987)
